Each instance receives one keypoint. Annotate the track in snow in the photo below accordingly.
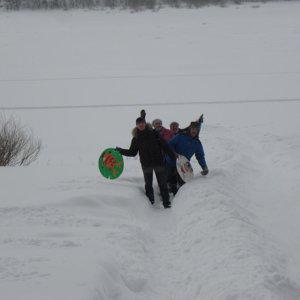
(210, 245)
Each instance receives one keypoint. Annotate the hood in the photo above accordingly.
(134, 130)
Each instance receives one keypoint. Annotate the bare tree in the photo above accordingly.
(17, 144)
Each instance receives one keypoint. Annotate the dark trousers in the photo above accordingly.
(161, 176)
(173, 179)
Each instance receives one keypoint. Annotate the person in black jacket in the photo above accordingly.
(152, 149)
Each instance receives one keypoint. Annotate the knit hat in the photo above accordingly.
(194, 125)
(174, 123)
(156, 121)
(140, 120)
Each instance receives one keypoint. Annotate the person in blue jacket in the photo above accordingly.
(186, 144)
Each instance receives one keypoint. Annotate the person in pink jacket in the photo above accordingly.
(165, 133)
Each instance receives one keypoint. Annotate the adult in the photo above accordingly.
(152, 150)
(186, 144)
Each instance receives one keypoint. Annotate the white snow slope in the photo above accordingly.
(68, 233)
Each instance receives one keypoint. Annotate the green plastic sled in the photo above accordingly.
(111, 163)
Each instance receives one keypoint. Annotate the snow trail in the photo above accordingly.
(210, 245)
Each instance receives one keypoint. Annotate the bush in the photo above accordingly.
(17, 145)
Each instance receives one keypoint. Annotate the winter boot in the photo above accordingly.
(151, 198)
(174, 189)
(167, 204)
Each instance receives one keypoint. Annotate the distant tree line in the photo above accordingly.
(135, 5)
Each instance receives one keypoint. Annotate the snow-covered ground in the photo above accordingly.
(67, 233)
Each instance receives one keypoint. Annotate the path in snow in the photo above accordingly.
(104, 240)
(210, 245)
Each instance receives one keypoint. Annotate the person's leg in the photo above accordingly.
(148, 177)
(179, 179)
(161, 177)
(172, 178)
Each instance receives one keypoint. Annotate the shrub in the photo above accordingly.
(17, 144)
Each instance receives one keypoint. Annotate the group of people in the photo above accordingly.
(159, 147)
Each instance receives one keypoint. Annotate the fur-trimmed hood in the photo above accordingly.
(135, 129)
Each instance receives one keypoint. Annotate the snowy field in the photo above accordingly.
(67, 233)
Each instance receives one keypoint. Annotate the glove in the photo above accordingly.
(205, 171)
(200, 120)
(143, 114)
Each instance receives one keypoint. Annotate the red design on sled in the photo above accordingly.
(110, 162)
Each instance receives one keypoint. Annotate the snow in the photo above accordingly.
(68, 233)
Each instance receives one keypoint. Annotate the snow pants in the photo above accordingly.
(161, 176)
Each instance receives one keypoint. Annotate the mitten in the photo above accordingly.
(143, 114)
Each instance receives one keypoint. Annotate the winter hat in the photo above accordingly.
(140, 120)
(174, 123)
(194, 125)
(156, 121)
